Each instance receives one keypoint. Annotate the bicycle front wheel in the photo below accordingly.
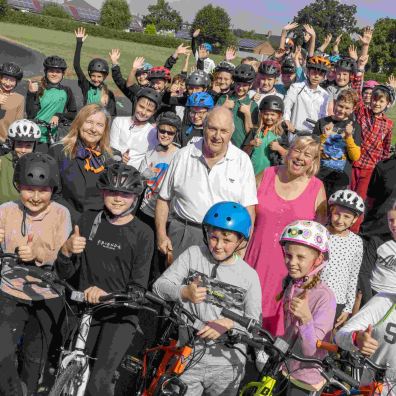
(66, 383)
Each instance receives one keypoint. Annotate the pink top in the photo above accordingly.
(264, 253)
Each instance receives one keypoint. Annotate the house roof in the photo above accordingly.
(30, 5)
(81, 10)
(136, 24)
(274, 41)
(183, 35)
(249, 43)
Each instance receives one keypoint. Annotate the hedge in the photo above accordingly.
(65, 25)
(380, 77)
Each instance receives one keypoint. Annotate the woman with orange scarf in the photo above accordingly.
(81, 157)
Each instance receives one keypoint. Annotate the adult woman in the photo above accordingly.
(81, 157)
(285, 193)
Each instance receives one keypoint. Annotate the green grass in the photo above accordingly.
(391, 113)
(52, 42)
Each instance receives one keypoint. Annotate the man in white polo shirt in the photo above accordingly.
(134, 136)
(204, 173)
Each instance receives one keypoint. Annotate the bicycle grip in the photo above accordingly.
(155, 299)
(248, 341)
(328, 346)
(245, 322)
(345, 378)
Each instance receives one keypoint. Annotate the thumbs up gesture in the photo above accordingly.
(126, 157)
(194, 292)
(75, 244)
(300, 309)
(257, 95)
(229, 104)
(33, 86)
(26, 252)
(365, 341)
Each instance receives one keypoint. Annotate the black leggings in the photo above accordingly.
(36, 323)
(107, 342)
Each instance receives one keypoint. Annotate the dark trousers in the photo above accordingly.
(37, 324)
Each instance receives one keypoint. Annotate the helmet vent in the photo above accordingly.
(228, 218)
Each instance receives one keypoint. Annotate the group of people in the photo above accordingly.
(256, 176)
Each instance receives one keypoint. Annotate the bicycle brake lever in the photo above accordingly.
(339, 385)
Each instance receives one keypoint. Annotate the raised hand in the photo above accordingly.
(182, 50)
(196, 33)
(362, 61)
(367, 35)
(138, 63)
(290, 26)
(230, 54)
(327, 39)
(115, 54)
(80, 33)
(309, 29)
(33, 86)
(75, 244)
(352, 50)
(257, 95)
(229, 103)
(245, 108)
(279, 53)
(392, 81)
(365, 342)
(337, 40)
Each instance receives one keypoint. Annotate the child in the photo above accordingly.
(108, 252)
(93, 90)
(141, 75)
(244, 109)
(345, 69)
(309, 304)
(223, 80)
(153, 169)
(198, 105)
(367, 90)
(340, 136)
(268, 73)
(377, 273)
(35, 227)
(372, 329)
(23, 136)
(377, 137)
(263, 140)
(341, 272)
(159, 78)
(134, 136)
(227, 227)
(50, 101)
(307, 99)
(12, 104)
(202, 53)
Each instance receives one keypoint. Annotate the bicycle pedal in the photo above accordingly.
(132, 364)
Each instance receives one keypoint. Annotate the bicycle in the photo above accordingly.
(55, 132)
(74, 369)
(280, 352)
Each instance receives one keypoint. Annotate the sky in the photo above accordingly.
(274, 13)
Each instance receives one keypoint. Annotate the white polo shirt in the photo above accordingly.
(139, 140)
(194, 188)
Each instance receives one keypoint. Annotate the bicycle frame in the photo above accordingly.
(78, 355)
(264, 387)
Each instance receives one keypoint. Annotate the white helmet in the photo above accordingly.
(24, 130)
(348, 199)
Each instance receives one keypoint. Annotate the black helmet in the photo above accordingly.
(122, 178)
(169, 118)
(37, 169)
(270, 68)
(347, 64)
(151, 94)
(12, 70)
(273, 103)
(288, 66)
(198, 78)
(98, 65)
(54, 62)
(390, 91)
(244, 73)
(224, 66)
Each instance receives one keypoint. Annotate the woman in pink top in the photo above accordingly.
(285, 193)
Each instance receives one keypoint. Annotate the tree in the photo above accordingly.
(55, 10)
(115, 14)
(214, 23)
(383, 46)
(328, 16)
(4, 7)
(150, 29)
(163, 17)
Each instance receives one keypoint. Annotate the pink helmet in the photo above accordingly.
(370, 84)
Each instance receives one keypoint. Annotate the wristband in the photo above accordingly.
(354, 338)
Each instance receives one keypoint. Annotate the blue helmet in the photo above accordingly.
(208, 47)
(144, 69)
(200, 99)
(229, 216)
(334, 59)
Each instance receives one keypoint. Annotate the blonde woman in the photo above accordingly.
(81, 157)
(286, 193)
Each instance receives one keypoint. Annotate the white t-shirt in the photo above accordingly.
(273, 91)
(193, 188)
(124, 135)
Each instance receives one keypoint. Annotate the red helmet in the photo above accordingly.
(270, 68)
(159, 72)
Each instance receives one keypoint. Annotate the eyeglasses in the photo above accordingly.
(164, 132)
(198, 113)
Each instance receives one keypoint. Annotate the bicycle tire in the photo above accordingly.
(67, 375)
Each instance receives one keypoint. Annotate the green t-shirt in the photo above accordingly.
(239, 134)
(52, 101)
(94, 95)
(260, 155)
(7, 190)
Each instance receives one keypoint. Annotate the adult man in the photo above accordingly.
(204, 173)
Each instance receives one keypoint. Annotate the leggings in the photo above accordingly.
(36, 323)
(293, 390)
